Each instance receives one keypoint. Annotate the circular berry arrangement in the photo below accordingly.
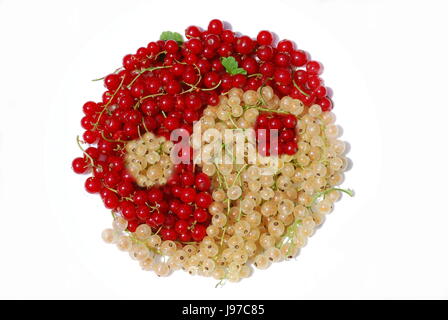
(213, 154)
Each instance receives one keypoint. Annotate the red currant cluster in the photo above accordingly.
(277, 126)
(178, 209)
(166, 86)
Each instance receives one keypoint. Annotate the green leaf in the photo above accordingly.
(169, 35)
(231, 66)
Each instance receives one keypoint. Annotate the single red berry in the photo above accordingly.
(93, 185)
(285, 46)
(244, 45)
(228, 36)
(204, 199)
(212, 41)
(181, 226)
(158, 218)
(190, 77)
(198, 232)
(215, 26)
(275, 123)
(320, 92)
(211, 79)
(194, 45)
(171, 46)
(171, 123)
(192, 32)
(80, 165)
(132, 225)
(143, 212)
(325, 104)
(87, 122)
(283, 76)
(239, 80)
(298, 58)
(289, 121)
(287, 135)
(300, 76)
(201, 215)
(265, 53)
(262, 121)
(155, 196)
(267, 69)
(187, 179)
(202, 182)
(314, 67)
(111, 200)
(282, 59)
(290, 148)
(124, 189)
(170, 220)
(313, 82)
(90, 136)
(184, 211)
(128, 211)
(168, 234)
(140, 197)
(250, 65)
(90, 107)
(225, 49)
(188, 195)
(112, 82)
(264, 38)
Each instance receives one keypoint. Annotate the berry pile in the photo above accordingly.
(282, 126)
(218, 79)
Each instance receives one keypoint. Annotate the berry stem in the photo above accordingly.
(298, 88)
(255, 75)
(238, 174)
(134, 239)
(211, 89)
(152, 96)
(146, 70)
(95, 125)
(110, 140)
(78, 141)
(287, 239)
(266, 109)
(102, 78)
(350, 192)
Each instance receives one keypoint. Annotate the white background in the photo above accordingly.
(386, 62)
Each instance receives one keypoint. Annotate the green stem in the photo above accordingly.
(325, 192)
(146, 70)
(298, 88)
(211, 89)
(110, 140)
(289, 236)
(102, 78)
(238, 174)
(78, 141)
(108, 103)
(233, 122)
(152, 96)
(266, 109)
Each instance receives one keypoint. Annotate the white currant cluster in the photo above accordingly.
(148, 160)
(257, 217)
